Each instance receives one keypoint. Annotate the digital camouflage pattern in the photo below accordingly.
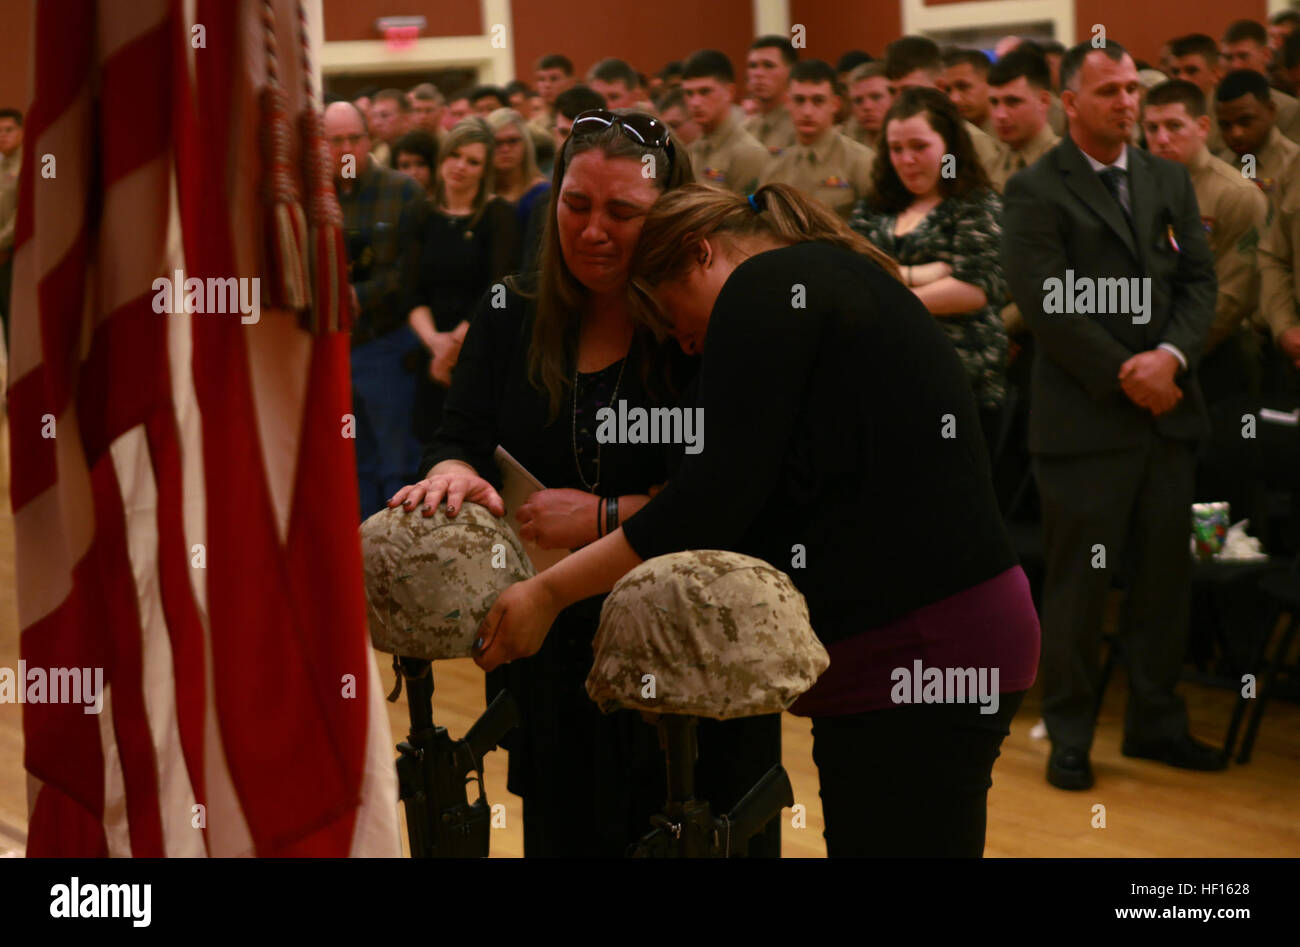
(431, 580)
(724, 636)
(964, 233)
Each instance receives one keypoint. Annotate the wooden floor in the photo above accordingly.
(1150, 809)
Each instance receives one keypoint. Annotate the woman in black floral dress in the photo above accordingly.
(933, 210)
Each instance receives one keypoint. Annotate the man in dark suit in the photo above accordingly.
(1105, 253)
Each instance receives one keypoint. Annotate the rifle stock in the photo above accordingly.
(501, 716)
(760, 805)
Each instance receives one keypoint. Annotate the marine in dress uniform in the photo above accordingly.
(774, 131)
(729, 157)
(1271, 162)
(1279, 249)
(1010, 160)
(834, 169)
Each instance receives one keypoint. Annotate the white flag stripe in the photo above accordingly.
(228, 834)
(130, 243)
(139, 492)
(279, 358)
(117, 829)
(54, 529)
(120, 23)
(24, 333)
(189, 423)
(377, 834)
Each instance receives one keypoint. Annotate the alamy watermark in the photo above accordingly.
(652, 426)
(1086, 296)
(75, 899)
(53, 686)
(932, 685)
(229, 295)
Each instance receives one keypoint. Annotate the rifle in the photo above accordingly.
(433, 770)
(687, 827)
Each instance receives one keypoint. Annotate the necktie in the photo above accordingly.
(1113, 177)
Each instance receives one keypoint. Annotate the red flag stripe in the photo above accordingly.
(62, 202)
(224, 685)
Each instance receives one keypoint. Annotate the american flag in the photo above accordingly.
(191, 525)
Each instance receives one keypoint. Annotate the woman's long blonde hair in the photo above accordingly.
(686, 215)
(528, 171)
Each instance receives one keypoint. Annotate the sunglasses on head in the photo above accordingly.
(645, 130)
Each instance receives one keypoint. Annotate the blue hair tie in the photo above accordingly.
(754, 204)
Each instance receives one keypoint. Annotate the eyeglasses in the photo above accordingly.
(645, 130)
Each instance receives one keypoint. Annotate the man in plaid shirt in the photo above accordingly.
(382, 215)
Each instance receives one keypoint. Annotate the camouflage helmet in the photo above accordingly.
(724, 635)
(430, 580)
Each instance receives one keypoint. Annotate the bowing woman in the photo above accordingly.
(825, 387)
(531, 376)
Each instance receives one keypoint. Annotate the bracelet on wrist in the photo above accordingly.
(611, 514)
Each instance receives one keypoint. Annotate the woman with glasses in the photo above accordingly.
(519, 181)
(532, 375)
(514, 161)
(469, 242)
(841, 425)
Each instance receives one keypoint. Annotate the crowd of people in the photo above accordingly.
(515, 269)
(971, 182)
(483, 158)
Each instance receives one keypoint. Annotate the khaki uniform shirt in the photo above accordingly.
(853, 129)
(730, 158)
(1056, 116)
(835, 170)
(1009, 160)
(1278, 250)
(1288, 114)
(1271, 162)
(1235, 216)
(1215, 142)
(774, 131)
(545, 122)
(986, 147)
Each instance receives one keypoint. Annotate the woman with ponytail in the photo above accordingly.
(842, 445)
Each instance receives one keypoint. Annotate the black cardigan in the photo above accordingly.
(824, 427)
(457, 263)
(492, 402)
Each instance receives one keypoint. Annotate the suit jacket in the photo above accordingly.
(1059, 216)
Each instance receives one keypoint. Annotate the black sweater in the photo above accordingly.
(491, 402)
(824, 427)
(456, 262)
